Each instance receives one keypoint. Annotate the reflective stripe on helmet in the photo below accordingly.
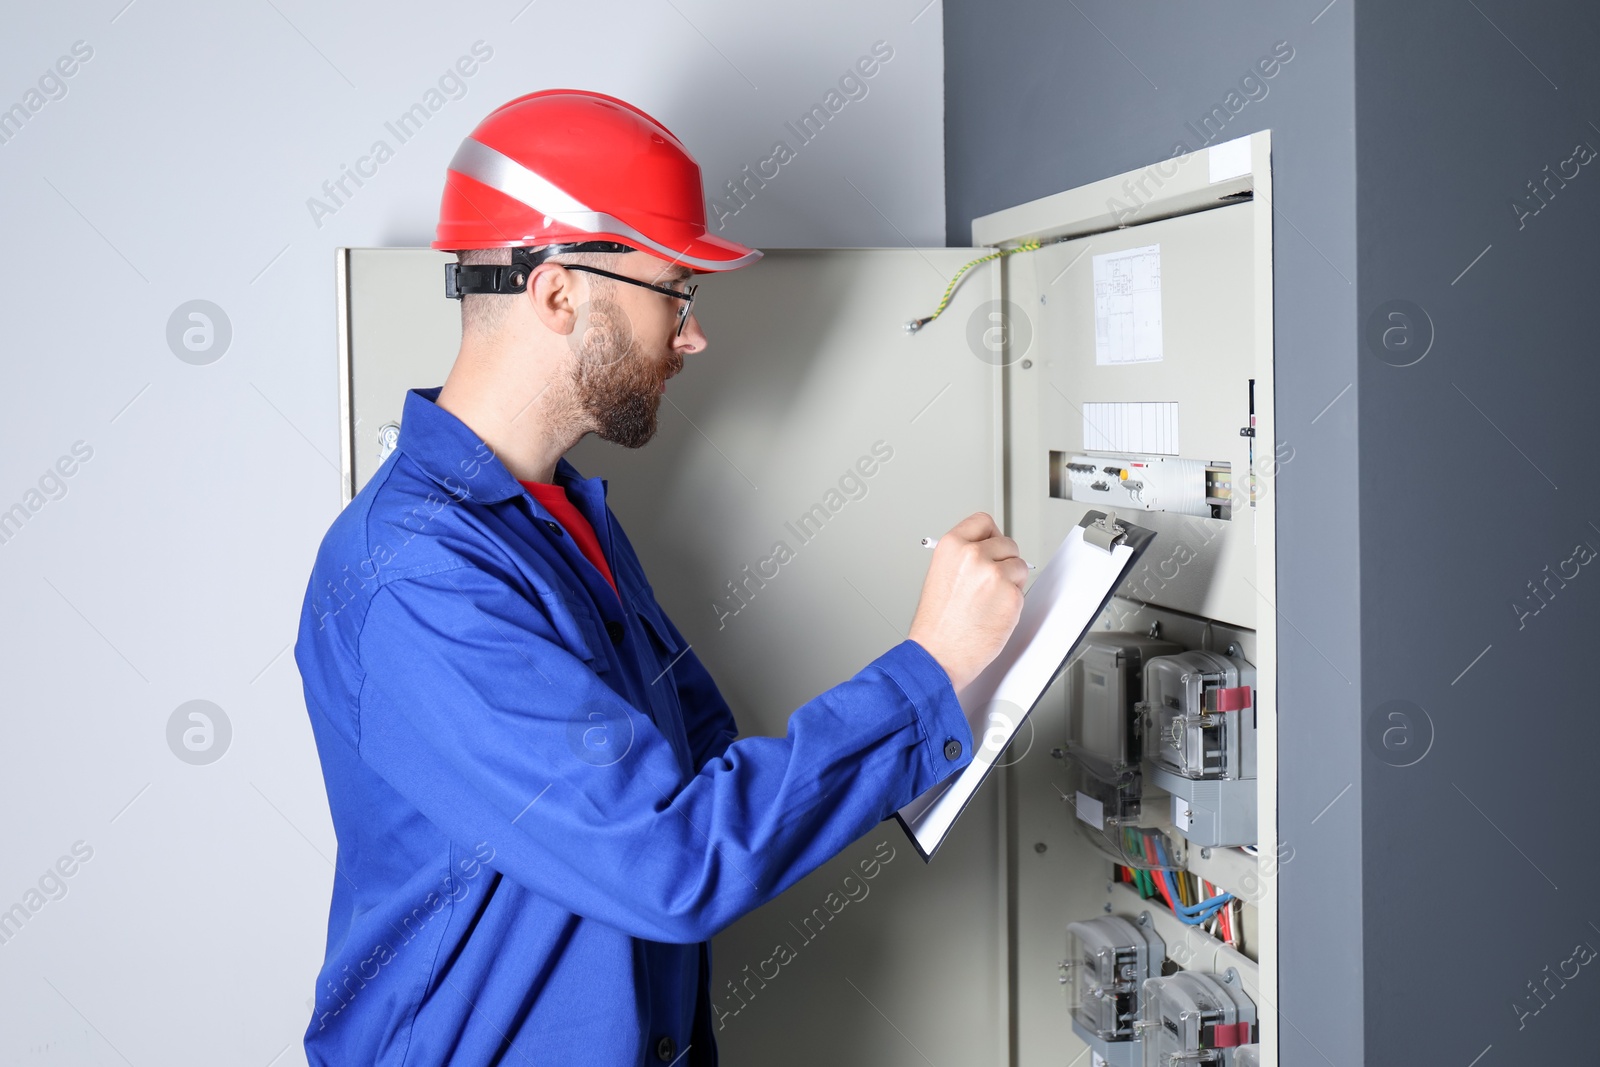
(500, 172)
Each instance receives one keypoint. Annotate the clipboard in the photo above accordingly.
(1057, 611)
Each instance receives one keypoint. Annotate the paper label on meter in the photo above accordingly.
(1091, 811)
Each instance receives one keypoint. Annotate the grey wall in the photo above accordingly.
(1477, 473)
(176, 164)
(1041, 97)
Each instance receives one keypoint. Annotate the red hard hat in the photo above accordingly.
(565, 165)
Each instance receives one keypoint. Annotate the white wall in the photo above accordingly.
(169, 566)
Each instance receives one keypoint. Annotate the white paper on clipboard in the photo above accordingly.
(1058, 609)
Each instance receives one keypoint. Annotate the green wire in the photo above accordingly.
(1135, 844)
(914, 325)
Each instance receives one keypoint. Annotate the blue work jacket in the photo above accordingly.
(542, 813)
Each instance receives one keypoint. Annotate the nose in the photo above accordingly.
(692, 340)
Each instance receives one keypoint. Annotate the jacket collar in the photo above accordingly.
(452, 455)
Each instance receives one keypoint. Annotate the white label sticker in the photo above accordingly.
(1180, 813)
(1131, 426)
(1228, 159)
(1091, 811)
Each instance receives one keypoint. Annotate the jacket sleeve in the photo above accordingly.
(473, 710)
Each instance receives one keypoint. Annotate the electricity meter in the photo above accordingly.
(1193, 1018)
(1199, 712)
(1108, 960)
(1103, 749)
(1103, 688)
(1199, 720)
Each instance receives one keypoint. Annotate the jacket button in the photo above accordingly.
(665, 1050)
(952, 749)
(555, 528)
(616, 632)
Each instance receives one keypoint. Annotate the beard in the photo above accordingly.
(614, 385)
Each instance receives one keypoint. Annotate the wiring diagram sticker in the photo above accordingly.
(1127, 306)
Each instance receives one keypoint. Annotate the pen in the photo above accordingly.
(931, 542)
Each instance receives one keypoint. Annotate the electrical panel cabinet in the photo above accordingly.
(1140, 378)
(1117, 355)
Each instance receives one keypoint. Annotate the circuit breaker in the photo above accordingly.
(1148, 483)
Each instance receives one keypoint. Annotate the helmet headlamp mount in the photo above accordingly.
(462, 279)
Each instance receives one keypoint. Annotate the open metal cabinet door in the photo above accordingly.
(814, 422)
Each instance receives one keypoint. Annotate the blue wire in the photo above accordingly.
(1201, 911)
(1188, 914)
(1196, 920)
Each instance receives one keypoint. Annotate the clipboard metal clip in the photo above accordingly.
(1104, 531)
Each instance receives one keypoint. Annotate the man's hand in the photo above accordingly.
(971, 599)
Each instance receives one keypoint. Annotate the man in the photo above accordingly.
(542, 814)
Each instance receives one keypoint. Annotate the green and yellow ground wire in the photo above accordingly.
(1031, 244)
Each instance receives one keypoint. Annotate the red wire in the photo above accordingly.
(1222, 916)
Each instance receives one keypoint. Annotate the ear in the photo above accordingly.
(555, 297)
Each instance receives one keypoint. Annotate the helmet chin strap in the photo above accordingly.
(463, 279)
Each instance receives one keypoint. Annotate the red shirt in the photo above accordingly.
(554, 499)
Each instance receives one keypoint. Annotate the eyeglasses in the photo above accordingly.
(686, 295)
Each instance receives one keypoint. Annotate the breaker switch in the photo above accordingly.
(1234, 698)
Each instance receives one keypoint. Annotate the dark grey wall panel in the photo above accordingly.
(1478, 476)
(1042, 97)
